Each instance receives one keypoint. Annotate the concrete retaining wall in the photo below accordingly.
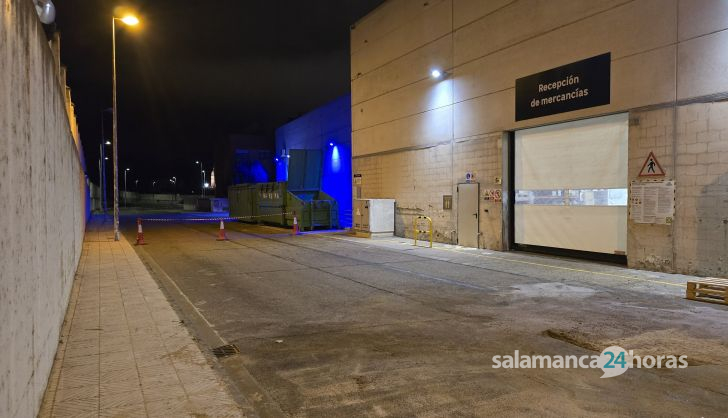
(43, 203)
(151, 200)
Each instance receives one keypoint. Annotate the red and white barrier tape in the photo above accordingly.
(227, 218)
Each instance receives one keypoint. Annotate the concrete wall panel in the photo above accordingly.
(423, 129)
(499, 70)
(387, 18)
(701, 17)
(435, 22)
(416, 98)
(644, 79)
(466, 11)
(521, 21)
(489, 74)
(638, 80)
(703, 65)
(403, 71)
(486, 114)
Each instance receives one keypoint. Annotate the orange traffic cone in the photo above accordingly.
(295, 225)
(140, 233)
(221, 235)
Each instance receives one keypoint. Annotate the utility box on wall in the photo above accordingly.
(374, 217)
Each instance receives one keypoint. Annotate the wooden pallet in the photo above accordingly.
(710, 289)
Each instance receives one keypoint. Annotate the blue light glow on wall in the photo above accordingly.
(336, 179)
(258, 172)
(335, 160)
(252, 166)
(281, 169)
(328, 129)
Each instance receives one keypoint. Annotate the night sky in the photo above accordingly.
(196, 70)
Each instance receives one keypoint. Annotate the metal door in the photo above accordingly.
(468, 208)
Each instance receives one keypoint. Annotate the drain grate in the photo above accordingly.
(225, 350)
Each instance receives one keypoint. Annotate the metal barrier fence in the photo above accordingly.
(417, 232)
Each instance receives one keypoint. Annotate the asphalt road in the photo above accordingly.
(335, 326)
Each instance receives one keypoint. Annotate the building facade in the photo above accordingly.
(241, 158)
(599, 127)
(326, 129)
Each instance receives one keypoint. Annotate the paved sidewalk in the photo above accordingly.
(123, 350)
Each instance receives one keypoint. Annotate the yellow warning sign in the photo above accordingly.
(651, 167)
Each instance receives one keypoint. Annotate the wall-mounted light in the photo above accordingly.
(46, 11)
(331, 144)
(276, 159)
(435, 73)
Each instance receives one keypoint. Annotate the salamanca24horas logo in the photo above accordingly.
(613, 361)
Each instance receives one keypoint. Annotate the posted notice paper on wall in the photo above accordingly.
(652, 202)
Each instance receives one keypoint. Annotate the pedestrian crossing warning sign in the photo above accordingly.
(651, 167)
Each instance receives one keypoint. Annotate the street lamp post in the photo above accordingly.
(102, 163)
(130, 21)
(126, 193)
(101, 176)
(204, 182)
(105, 158)
(202, 171)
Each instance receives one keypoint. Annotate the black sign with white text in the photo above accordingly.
(574, 86)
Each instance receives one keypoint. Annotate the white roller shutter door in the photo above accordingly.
(571, 185)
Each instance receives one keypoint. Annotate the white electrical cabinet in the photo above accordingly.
(374, 217)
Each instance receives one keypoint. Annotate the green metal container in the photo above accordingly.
(272, 203)
(243, 201)
(276, 203)
(313, 210)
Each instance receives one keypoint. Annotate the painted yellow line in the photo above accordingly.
(600, 273)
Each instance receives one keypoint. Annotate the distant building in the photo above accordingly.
(243, 159)
(328, 130)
